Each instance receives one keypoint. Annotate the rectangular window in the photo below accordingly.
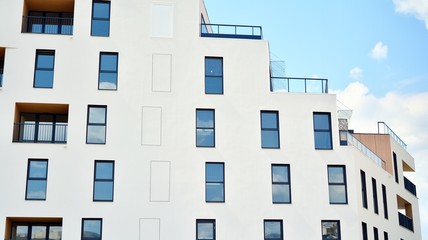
(205, 229)
(394, 157)
(214, 182)
(44, 69)
(34, 228)
(213, 75)
(363, 189)
(337, 184)
(385, 236)
(273, 230)
(375, 233)
(322, 131)
(104, 181)
(205, 128)
(269, 129)
(375, 202)
(107, 75)
(100, 18)
(92, 228)
(330, 229)
(37, 176)
(281, 192)
(364, 230)
(96, 125)
(385, 202)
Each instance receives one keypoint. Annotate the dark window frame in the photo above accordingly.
(211, 221)
(30, 225)
(316, 130)
(385, 201)
(55, 123)
(101, 19)
(364, 189)
(375, 233)
(288, 182)
(270, 129)
(103, 180)
(385, 235)
(338, 184)
(96, 124)
(375, 197)
(100, 71)
(332, 221)
(222, 182)
(280, 221)
(205, 128)
(395, 162)
(36, 178)
(216, 76)
(364, 231)
(44, 52)
(83, 228)
(61, 21)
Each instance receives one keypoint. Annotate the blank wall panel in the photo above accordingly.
(151, 126)
(149, 229)
(161, 81)
(159, 181)
(162, 20)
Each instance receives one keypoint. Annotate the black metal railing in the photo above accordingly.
(405, 221)
(409, 186)
(49, 25)
(231, 31)
(40, 133)
(302, 85)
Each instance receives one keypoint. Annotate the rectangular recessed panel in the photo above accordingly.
(151, 126)
(161, 73)
(162, 21)
(159, 181)
(149, 228)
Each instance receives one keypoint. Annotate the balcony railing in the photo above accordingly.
(231, 31)
(364, 149)
(298, 85)
(385, 129)
(405, 221)
(40, 133)
(1, 77)
(409, 186)
(49, 25)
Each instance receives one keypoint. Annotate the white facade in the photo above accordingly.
(159, 173)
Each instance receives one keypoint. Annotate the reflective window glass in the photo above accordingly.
(205, 128)
(214, 182)
(213, 75)
(269, 129)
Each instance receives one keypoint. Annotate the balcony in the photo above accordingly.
(351, 140)
(41, 132)
(405, 221)
(409, 186)
(231, 31)
(298, 85)
(382, 128)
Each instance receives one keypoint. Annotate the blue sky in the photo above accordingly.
(374, 53)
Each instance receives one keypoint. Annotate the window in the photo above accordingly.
(337, 184)
(385, 202)
(281, 192)
(103, 181)
(394, 157)
(34, 228)
(2, 53)
(270, 129)
(213, 75)
(205, 229)
(385, 236)
(214, 182)
(273, 230)
(92, 228)
(363, 189)
(330, 229)
(364, 229)
(375, 202)
(107, 76)
(44, 70)
(375, 233)
(41, 128)
(322, 131)
(37, 176)
(48, 22)
(96, 127)
(100, 18)
(205, 128)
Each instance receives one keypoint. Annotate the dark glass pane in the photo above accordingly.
(337, 194)
(205, 231)
(104, 170)
(214, 192)
(213, 66)
(108, 81)
(205, 118)
(269, 120)
(336, 175)
(97, 115)
(322, 121)
(323, 140)
(214, 172)
(273, 230)
(38, 169)
(38, 232)
(103, 191)
(21, 233)
(92, 229)
(55, 233)
(100, 28)
(101, 10)
(280, 174)
(330, 230)
(281, 193)
(270, 139)
(96, 134)
(43, 78)
(205, 137)
(214, 85)
(45, 61)
(108, 62)
(36, 189)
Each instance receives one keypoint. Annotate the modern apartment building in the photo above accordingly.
(142, 120)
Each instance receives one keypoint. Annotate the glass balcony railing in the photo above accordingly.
(298, 85)
(409, 186)
(405, 221)
(351, 140)
(40, 132)
(231, 31)
(382, 128)
(47, 25)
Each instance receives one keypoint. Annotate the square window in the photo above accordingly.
(205, 128)
(96, 125)
(213, 75)
(330, 229)
(205, 229)
(337, 184)
(107, 75)
(269, 129)
(44, 69)
(92, 228)
(37, 174)
(273, 230)
(214, 182)
(322, 131)
(281, 192)
(100, 18)
(104, 181)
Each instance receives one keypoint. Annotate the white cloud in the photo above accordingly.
(379, 51)
(407, 115)
(418, 8)
(356, 73)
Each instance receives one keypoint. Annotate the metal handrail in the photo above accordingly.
(388, 130)
(235, 31)
(40, 132)
(295, 84)
(50, 25)
(364, 149)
